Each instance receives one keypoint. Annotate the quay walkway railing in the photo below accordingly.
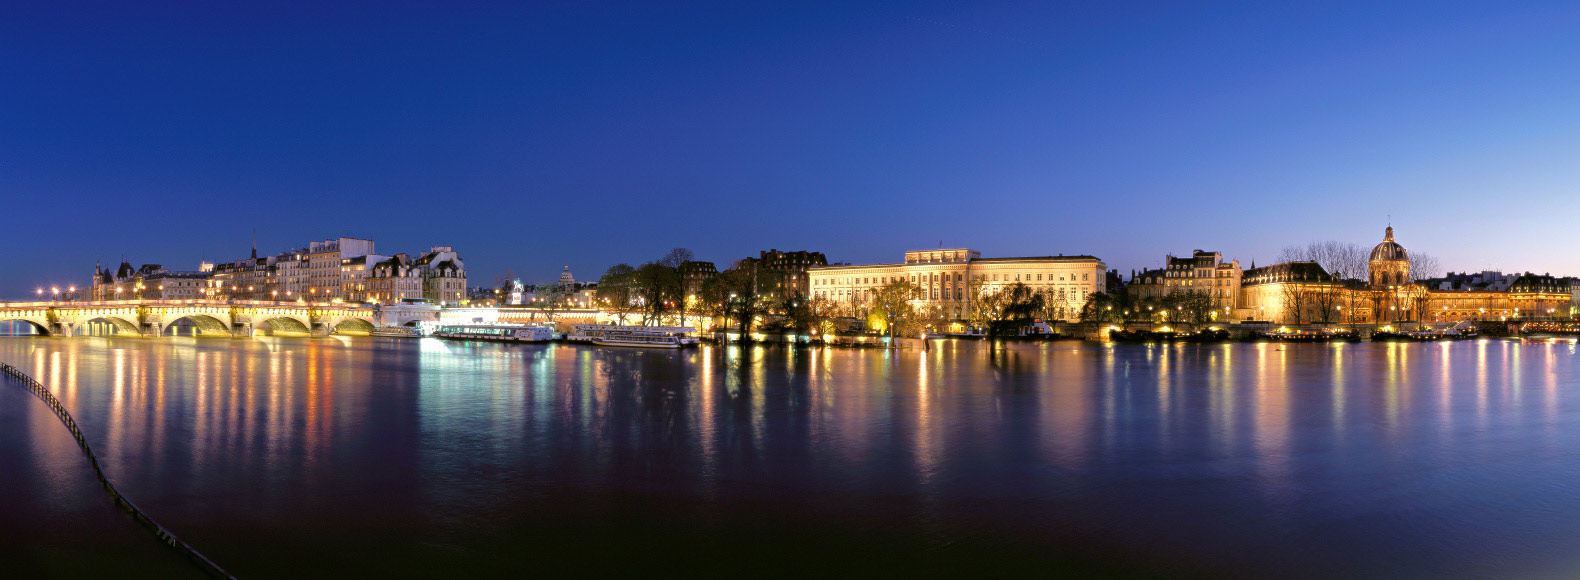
(121, 501)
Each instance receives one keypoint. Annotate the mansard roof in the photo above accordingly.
(1301, 271)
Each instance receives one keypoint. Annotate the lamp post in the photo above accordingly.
(40, 293)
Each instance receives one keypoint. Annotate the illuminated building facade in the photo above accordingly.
(325, 279)
(354, 273)
(444, 275)
(151, 281)
(1201, 273)
(392, 280)
(1304, 293)
(953, 279)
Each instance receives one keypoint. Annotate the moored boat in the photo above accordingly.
(1201, 336)
(638, 336)
(496, 332)
(1409, 335)
(1325, 335)
(397, 332)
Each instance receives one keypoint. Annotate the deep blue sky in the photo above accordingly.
(589, 133)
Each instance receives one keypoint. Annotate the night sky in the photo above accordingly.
(589, 133)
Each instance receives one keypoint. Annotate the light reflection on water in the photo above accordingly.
(427, 457)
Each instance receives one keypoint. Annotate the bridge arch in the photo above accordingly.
(282, 324)
(107, 326)
(13, 326)
(201, 325)
(353, 326)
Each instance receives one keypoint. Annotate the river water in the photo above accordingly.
(332, 457)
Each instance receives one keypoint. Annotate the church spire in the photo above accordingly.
(255, 244)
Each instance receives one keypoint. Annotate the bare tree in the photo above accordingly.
(1421, 305)
(1325, 302)
(1424, 266)
(1345, 261)
(676, 259)
(1296, 299)
(656, 286)
(1379, 304)
(1194, 307)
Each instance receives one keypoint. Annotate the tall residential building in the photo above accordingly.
(291, 273)
(1204, 273)
(246, 279)
(354, 274)
(693, 273)
(789, 269)
(392, 280)
(1147, 284)
(325, 279)
(954, 279)
(444, 275)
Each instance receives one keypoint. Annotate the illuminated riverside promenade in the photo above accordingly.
(209, 317)
(365, 456)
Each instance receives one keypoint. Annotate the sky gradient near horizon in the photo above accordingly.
(537, 135)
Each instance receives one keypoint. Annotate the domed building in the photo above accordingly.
(1389, 263)
(1302, 292)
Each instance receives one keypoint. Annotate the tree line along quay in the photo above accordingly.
(942, 291)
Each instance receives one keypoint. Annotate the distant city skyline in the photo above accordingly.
(587, 135)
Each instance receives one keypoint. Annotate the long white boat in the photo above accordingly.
(639, 336)
(498, 332)
(397, 332)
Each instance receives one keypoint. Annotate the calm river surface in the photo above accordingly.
(333, 457)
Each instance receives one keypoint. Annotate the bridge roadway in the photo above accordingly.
(237, 318)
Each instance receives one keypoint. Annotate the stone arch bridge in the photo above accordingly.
(212, 317)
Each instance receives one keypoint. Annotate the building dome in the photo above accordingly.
(1389, 250)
